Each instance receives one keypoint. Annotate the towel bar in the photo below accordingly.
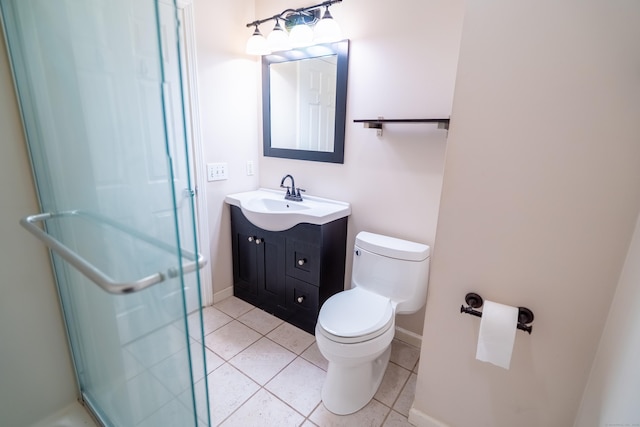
(92, 272)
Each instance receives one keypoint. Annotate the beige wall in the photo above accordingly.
(227, 87)
(393, 182)
(36, 378)
(612, 394)
(402, 64)
(539, 201)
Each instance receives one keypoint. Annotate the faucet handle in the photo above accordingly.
(287, 187)
(299, 190)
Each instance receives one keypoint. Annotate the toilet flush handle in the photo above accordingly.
(357, 252)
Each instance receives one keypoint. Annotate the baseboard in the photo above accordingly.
(223, 294)
(420, 419)
(409, 337)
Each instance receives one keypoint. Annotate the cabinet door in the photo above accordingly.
(270, 272)
(258, 264)
(245, 263)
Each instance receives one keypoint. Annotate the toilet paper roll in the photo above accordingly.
(497, 333)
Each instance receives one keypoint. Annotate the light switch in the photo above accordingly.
(216, 171)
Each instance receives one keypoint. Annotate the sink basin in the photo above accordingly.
(269, 210)
(260, 204)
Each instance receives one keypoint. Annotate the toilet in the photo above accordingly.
(355, 327)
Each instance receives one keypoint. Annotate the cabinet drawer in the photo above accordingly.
(302, 304)
(303, 261)
(301, 296)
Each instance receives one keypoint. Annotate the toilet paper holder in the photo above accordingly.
(473, 300)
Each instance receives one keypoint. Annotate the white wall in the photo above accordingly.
(612, 395)
(36, 377)
(402, 64)
(539, 201)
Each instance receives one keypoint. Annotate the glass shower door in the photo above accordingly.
(100, 92)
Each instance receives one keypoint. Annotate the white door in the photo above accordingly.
(316, 86)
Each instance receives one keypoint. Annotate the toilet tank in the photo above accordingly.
(395, 268)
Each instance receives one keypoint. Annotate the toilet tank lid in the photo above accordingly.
(392, 247)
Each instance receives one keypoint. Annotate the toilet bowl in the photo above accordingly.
(355, 327)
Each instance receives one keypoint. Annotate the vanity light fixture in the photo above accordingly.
(304, 25)
(257, 44)
(278, 39)
(327, 29)
(301, 34)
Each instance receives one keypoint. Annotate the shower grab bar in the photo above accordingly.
(93, 273)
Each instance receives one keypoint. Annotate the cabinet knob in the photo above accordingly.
(302, 261)
(250, 239)
(300, 299)
(258, 240)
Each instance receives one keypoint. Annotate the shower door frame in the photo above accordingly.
(195, 154)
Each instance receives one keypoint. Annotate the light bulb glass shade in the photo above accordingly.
(278, 39)
(301, 35)
(257, 44)
(327, 29)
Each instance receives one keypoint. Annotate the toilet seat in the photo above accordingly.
(355, 315)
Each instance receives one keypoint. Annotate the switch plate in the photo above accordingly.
(250, 168)
(216, 171)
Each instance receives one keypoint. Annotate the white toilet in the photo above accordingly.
(355, 327)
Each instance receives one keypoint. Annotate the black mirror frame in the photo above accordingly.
(341, 49)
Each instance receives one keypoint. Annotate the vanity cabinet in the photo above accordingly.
(290, 273)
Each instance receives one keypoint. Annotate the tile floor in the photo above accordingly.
(264, 372)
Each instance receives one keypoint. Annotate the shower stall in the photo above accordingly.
(99, 85)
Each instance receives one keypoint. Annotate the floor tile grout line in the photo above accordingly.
(263, 387)
(300, 355)
(307, 418)
(269, 331)
(386, 415)
(244, 402)
(264, 335)
(288, 405)
(270, 339)
(297, 356)
(142, 362)
(401, 390)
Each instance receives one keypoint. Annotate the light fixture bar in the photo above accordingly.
(282, 15)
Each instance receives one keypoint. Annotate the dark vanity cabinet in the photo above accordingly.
(288, 273)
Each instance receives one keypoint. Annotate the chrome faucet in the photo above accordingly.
(293, 193)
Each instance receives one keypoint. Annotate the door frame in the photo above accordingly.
(194, 142)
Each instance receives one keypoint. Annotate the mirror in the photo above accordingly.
(304, 102)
